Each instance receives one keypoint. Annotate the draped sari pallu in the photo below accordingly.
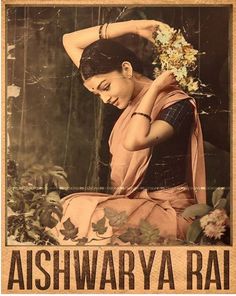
(161, 208)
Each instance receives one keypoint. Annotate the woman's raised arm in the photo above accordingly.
(75, 42)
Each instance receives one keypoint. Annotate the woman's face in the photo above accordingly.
(115, 88)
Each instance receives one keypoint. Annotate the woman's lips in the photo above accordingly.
(115, 102)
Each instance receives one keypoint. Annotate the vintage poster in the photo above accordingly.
(118, 139)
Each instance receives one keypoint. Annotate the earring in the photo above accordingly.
(130, 76)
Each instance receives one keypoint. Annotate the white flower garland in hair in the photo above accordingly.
(176, 54)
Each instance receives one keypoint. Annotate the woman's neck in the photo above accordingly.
(139, 82)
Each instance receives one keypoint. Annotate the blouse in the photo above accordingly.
(168, 165)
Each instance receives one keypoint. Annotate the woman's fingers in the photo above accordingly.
(146, 28)
(166, 78)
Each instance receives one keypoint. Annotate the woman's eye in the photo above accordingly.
(107, 87)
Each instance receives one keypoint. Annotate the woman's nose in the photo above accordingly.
(105, 98)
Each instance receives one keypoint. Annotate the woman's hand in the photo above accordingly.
(146, 28)
(164, 80)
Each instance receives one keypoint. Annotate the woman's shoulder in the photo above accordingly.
(179, 114)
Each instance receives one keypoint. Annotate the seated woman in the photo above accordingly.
(157, 165)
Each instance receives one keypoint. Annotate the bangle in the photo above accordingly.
(100, 32)
(142, 114)
(106, 32)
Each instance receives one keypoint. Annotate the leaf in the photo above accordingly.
(33, 178)
(82, 241)
(145, 226)
(217, 195)
(45, 213)
(58, 177)
(53, 197)
(132, 235)
(27, 194)
(38, 212)
(194, 231)
(16, 202)
(21, 236)
(69, 234)
(46, 218)
(49, 238)
(35, 224)
(12, 223)
(39, 175)
(37, 167)
(37, 201)
(69, 231)
(33, 235)
(99, 227)
(115, 218)
(38, 197)
(57, 210)
(49, 205)
(68, 225)
(26, 207)
(149, 234)
(60, 182)
(10, 212)
(36, 176)
(196, 210)
(59, 170)
(221, 203)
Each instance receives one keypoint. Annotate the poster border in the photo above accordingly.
(232, 44)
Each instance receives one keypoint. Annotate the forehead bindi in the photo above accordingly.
(94, 84)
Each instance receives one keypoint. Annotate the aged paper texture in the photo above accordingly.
(64, 230)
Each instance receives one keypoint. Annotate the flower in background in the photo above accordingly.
(176, 54)
(214, 231)
(214, 224)
(204, 221)
(211, 221)
(219, 216)
(164, 35)
(193, 85)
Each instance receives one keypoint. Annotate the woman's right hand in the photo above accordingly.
(146, 28)
(164, 80)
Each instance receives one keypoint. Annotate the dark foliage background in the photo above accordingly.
(55, 120)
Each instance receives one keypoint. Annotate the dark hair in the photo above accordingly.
(104, 56)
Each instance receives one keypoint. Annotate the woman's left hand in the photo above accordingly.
(146, 28)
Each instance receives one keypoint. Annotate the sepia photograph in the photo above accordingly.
(117, 147)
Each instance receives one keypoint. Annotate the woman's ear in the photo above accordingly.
(127, 69)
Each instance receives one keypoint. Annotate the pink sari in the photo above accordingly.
(162, 209)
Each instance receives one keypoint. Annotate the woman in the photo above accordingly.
(156, 145)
